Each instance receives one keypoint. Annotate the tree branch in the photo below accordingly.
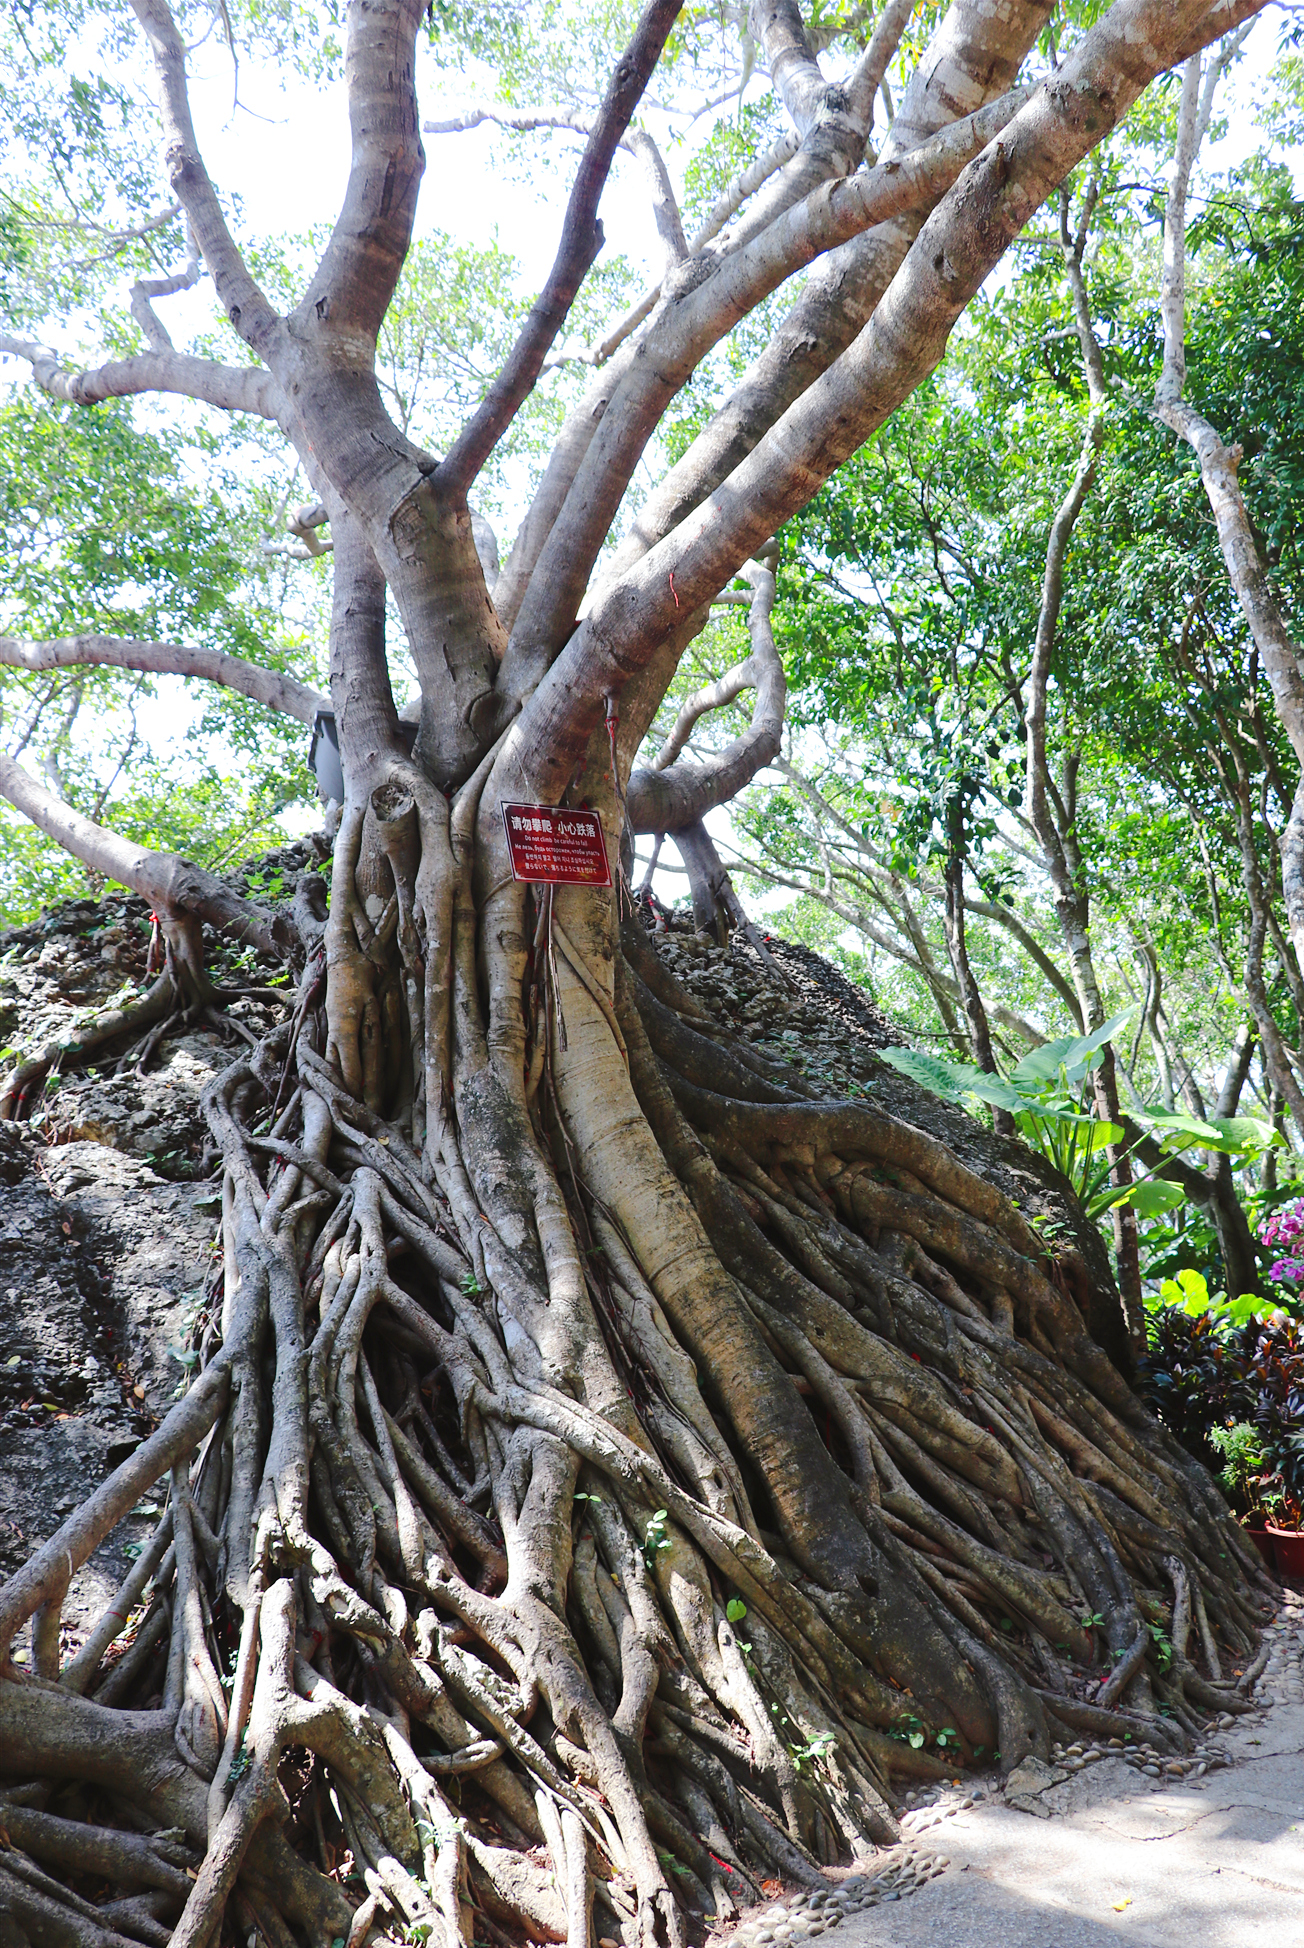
(352, 287)
(876, 872)
(972, 59)
(581, 240)
(147, 288)
(794, 70)
(523, 120)
(232, 388)
(675, 795)
(867, 76)
(248, 310)
(956, 249)
(665, 208)
(171, 884)
(692, 320)
(1283, 663)
(273, 688)
(833, 143)
(916, 957)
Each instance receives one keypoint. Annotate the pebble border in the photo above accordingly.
(902, 1870)
(800, 1917)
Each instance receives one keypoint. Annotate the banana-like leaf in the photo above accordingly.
(1248, 1132)
(954, 1080)
(930, 1071)
(1232, 1136)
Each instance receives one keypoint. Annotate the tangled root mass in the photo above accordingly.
(609, 1469)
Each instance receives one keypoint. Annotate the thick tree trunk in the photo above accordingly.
(630, 1331)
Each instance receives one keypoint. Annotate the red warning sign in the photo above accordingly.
(556, 845)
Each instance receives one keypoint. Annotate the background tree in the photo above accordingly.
(931, 551)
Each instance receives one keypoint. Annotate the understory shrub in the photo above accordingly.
(1233, 1395)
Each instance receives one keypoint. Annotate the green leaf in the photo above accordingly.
(1242, 1133)
(735, 1609)
(996, 1090)
(1070, 1052)
(1154, 1195)
(953, 1080)
(1188, 1290)
(1178, 1132)
(928, 1070)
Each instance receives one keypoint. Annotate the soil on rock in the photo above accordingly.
(102, 1266)
(106, 1227)
(88, 956)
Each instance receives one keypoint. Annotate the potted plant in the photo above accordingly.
(1285, 1525)
(1242, 1472)
(1275, 1370)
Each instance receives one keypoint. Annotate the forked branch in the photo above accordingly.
(678, 791)
(581, 240)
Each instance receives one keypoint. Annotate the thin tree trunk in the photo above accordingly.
(1219, 463)
(980, 1039)
(1053, 816)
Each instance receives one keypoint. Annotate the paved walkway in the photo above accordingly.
(1211, 1863)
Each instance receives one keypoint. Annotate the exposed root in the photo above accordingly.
(609, 1470)
(21, 1087)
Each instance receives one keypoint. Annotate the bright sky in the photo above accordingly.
(284, 152)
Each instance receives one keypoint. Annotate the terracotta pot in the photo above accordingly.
(1288, 1548)
(1262, 1542)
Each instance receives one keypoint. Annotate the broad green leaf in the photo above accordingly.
(1178, 1132)
(1069, 1052)
(1241, 1133)
(1188, 1290)
(995, 1089)
(952, 1080)
(928, 1070)
(1044, 1064)
(1154, 1195)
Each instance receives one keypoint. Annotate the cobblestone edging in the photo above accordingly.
(800, 1917)
(902, 1870)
